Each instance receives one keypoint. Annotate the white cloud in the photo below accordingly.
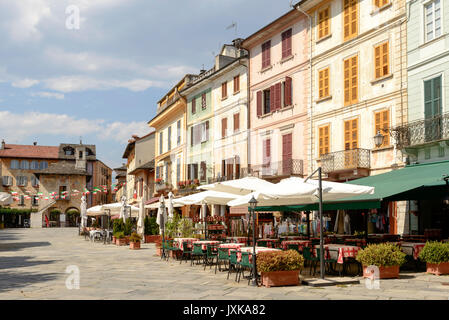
(24, 83)
(31, 124)
(46, 94)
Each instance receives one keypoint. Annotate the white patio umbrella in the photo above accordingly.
(206, 197)
(156, 205)
(118, 208)
(83, 213)
(95, 211)
(295, 191)
(170, 205)
(239, 186)
(140, 222)
(5, 199)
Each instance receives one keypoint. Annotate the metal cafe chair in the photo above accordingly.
(233, 264)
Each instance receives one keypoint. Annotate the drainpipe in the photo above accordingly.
(311, 87)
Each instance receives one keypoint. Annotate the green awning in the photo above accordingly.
(404, 184)
(326, 206)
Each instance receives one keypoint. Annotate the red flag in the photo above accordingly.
(46, 221)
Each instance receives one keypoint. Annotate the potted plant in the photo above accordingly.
(117, 226)
(151, 230)
(120, 238)
(134, 241)
(128, 229)
(436, 256)
(279, 268)
(387, 257)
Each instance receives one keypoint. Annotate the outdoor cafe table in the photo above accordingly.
(204, 243)
(270, 242)
(250, 250)
(237, 239)
(412, 248)
(301, 243)
(231, 246)
(180, 241)
(93, 232)
(339, 251)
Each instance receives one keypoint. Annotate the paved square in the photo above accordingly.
(33, 265)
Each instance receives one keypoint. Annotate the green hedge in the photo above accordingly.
(16, 211)
(435, 252)
(279, 261)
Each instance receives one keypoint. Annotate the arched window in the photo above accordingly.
(69, 151)
(89, 152)
(34, 165)
(14, 164)
(24, 165)
(43, 165)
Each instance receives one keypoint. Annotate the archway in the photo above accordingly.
(72, 217)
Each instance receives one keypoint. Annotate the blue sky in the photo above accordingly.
(103, 80)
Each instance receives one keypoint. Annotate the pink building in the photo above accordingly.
(279, 75)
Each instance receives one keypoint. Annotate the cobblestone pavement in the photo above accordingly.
(33, 265)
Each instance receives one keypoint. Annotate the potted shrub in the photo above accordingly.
(436, 256)
(279, 268)
(117, 226)
(151, 230)
(387, 257)
(134, 241)
(128, 229)
(120, 238)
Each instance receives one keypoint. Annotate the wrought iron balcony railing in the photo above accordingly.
(292, 167)
(346, 160)
(422, 131)
(242, 173)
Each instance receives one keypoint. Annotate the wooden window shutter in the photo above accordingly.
(268, 141)
(224, 127)
(382, 121)
(203, 101)
(350, 19)
(224, 90)
(203, 171)
(259, 103)
(191, 135)
(272, 98)
(351, 81)
(193, 105)
(323, 23)
(323, 83)
(277, 95)
(351, 134)
(236, 122)
(236, 84)
(288, 91)
(266, 54)
(324, 140)
(381, 60)
(207, 130)
(287, 43)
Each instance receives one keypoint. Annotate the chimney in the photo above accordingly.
(3, 144)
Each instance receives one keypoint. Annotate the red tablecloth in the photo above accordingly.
(231, 246)
(179, 241)
(412, 248)
(204, 243)
(301, 243)
(342, 251)
(250, 250)
(237, 239)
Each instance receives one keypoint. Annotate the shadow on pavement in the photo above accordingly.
(21, 262)
(14, 280)
(12, 246)
(8, 235)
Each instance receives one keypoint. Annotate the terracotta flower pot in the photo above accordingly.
(134, 245)
(390, 272)
(127, 239)
(121, 242)
(113, 239)
(280, 278)
(438, 269)
(152, 238)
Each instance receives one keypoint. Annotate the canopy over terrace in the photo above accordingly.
(239, 186)
(156, 205)
(206, 197)
(116, 207)
(5, 198)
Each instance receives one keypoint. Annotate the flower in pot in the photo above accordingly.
(386, 257)
(134, 241)
(279, 268)
(436, 256)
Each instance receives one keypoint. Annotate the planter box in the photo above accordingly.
(153, 238)
(438, 269)
(127, 239)
(121, 242)
(280, 278)
(134, 245)
(384, 272)
(113, 239)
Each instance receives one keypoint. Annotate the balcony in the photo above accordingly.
(418, 133)
(162, 186)
(286, 168)
(232, 176)
(347, 161)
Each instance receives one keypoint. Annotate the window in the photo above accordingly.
(35, 201)
(381, 60)
(351, 80)
(236, 122)
(287, 44)
(267, 152)
(203, 101)
(21, 181)
(69, 151)
(324, 132)
(15, 164)
(381, 3)
(43, 165)
(193, 106)
(34, 165)
(224, 90)
(266, 101)
(266, 56)
(169, 139)
(432, 98)
(323, 83)
(224, 127)
(199, 133)
(382, 121)
(34, 181)
(161, 137)
(80, 155)
(178, 170)
(203, 171)
(288, 92)
(351, 134)
(323, 23)
(7, 181)
(433, 20)
(192, 171)
(22, 200)
(236, 84)
(178, 138)
(350, 19)
(24, 165)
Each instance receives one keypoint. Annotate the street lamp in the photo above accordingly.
(379, 139)
(162, 207)
(253, 205)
